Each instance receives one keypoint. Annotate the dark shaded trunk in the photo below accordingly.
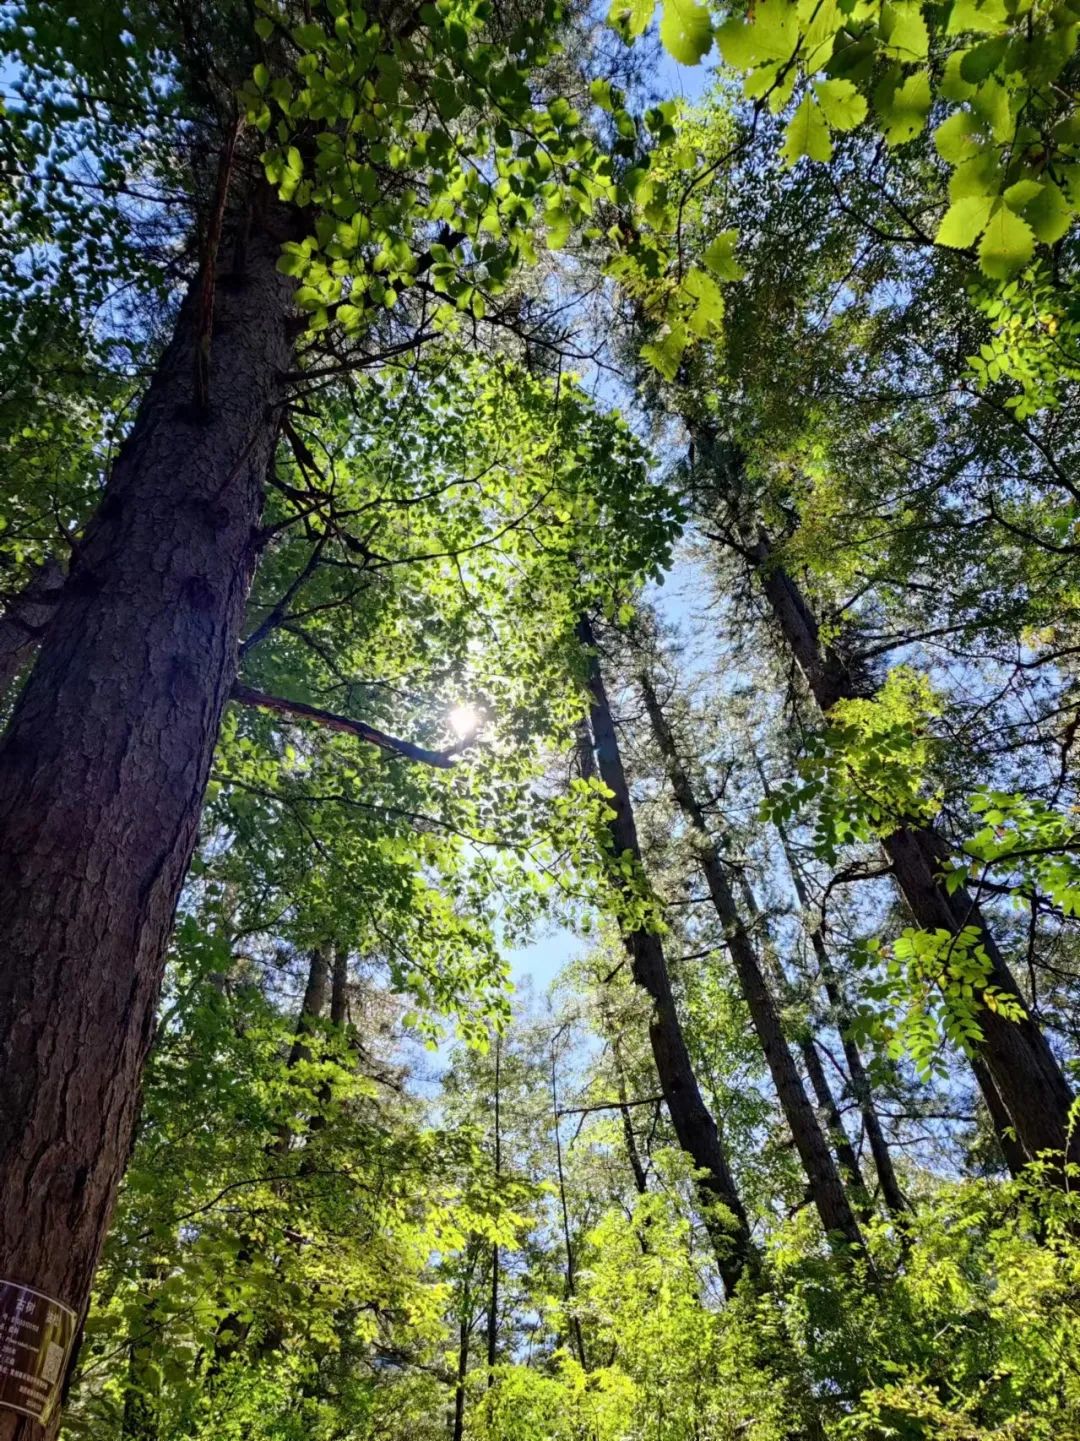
(1012, 1152)
(826, 1187)
(24, 619)
(1027, 1078)
(102, 773)
(312, 1010)
(891, 1193)
(464, 1333)
(838, 1137)
(846, 1158)
(493, 1304)
(313, 1006)
(695, 1128)
(339, 987)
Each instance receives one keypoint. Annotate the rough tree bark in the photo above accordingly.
(103, 769)
(827, 1189)
(1027, 1077)
(695, 1128)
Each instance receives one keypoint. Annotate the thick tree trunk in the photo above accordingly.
(1025, 1072)
(24, 619)
(826, 1187)
(695, 1128)
(102, 774)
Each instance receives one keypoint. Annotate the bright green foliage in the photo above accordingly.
(850, 271)
(434, 125)
(869, 771)
(991, 81)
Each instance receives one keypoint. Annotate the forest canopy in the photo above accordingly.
(539, 720)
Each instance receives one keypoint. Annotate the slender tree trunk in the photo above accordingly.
(312, 1009)
(23, 620)
(815, 1070)
(695, 1128)
(633, 1155)
(339, 987)
(493, 1305)
(102, 773)
(891, 1193)
(464, 1332)
(1026, 1075)
(571, 1275)
(846, 1158)
(826, 1187)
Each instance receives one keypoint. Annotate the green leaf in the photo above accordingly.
(664, 354)
(739, 44)
(1049, 214)
(631, 17)
(986, 17)
(1018, 195)
(955, 137)
(686, 30)
(964, 221)
(843, 106)
(1007, 245)
(719, 256)
(309, 37)
(559, 225)
(904, 31)
(807, 133)
(902, 107)
(983, 59)
(261, 76)
(709, 309)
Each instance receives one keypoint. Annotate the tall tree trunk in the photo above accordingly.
(1017, 1056)
(826, 1187)
(24, 618)
(102, 773)
(493, 1305)
(312, 1009)
(850, 1169)
(695, 1128)
(633, 1155)
(891, 1193)
(571, 1273)
(465, 1323)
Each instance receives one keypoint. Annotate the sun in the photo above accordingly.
(464, 721)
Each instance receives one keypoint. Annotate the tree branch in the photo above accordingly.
(246, 695)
